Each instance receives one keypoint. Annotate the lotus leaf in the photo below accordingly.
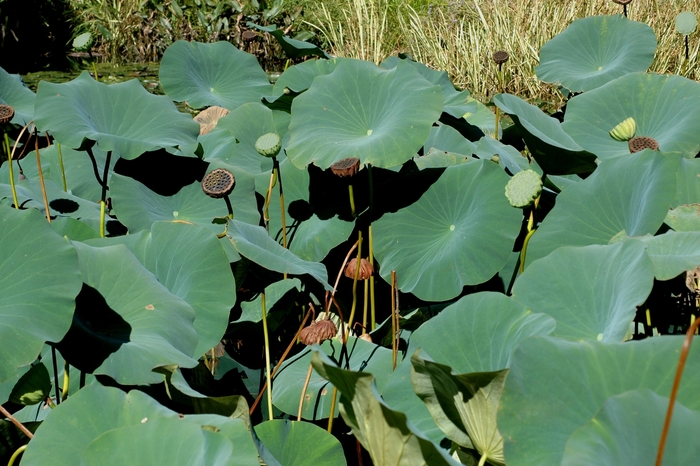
(685, 217)
(293, 48)
(14, 93)
(448, 139)
(212, 74)
(467, 231)
(251, 311)
(665, 108)
(592, 292)
(380, 116)
(298, 78)
(39, 280)
(687, 187)
(123, 117)
(555, 387)
(595, 50)
(385, 433)
(508, 157)
(290, 442)
(673, 253)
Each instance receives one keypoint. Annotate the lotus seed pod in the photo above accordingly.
(208, 118)
(6, 113)
(218, 183)
(366, 269)
(318, 331)
(622, 2)
(642, 142)
(686, 23)
(346, 167)
(268, 145)
(33, 387)
(500, 57)
(366, 337)
(523, 188)
(625, 130)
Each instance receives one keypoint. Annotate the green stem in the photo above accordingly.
(41, 176)
(16, 454)
(66, 380)
(268, 196)
(267, 359)
(354, 284)
(371, 280)
(103, 199)
(276, 167)
(332, 410)
(303, 391)
(524, 250)
(55, 373)
(482, 460)
(352, 200)
(364, 308)
(12, 176)
(63, 170)
(14, 420)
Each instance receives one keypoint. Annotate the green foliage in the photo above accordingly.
(486, 334)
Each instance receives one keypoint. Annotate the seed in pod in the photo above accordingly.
(268, 145)
(640, 143)
(366, 269)
(500, 57)
(318, 331)
(6, 113)
(218, 183)
(346, 167)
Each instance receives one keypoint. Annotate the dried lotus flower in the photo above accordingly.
(317, 332)
(208, 118)
(366, 337)
(500, 57)
(640, 143)
(6, 113)
(366, 269)
(346, 167)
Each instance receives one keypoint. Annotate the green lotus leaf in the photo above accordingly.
(380, 116)
(448, 139)
(190, 262)
(293, 48)
(595, 299)
(255, 244)
(290, 443)
(555, 151)
(687, 187)
(33, 387)
(455, 102)
(384, 433)
(556, 387)
(39, 280)
(14, 93)
(673, 253)
(298, 78)
(686, 22)
(508, 157)
(436, 158)
(476, 334)
(251, 311)
(685, 217)
(212, 74)
(131, 321)
(138, 207)
(246, 124)
(665, 108)
(463, 224)
(123, 117)
(482, 117)
(363, 356)
(595, 50)
(464, 406)
(629, 194)
(627, 430)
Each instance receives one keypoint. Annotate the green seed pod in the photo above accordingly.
(523, 188)
(625, 130)
(33, 387)
(686, 23)
(268, 145)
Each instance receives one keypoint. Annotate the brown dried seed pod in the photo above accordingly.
(249, 35)
(218, 183)
(622, 2)
(6, 113)
(208, 118)
(366, 269)
(640, 143)
(500, 57)
(317, 332)
(346, 167)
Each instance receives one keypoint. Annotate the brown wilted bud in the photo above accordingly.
(366, 337)
(208, 118)
(6, 113)
(366, 269)
(346, 167)
(218, 183)
(640, 143)
(317, 332)
(500, 57)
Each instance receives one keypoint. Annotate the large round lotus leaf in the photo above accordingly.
(130, 321)
(595, 50)
(300, 443)
(673, 253)
(463, 224)
(448, 139)
(123, 117)
(298, 78)
(508, 156)
(629, 195)
(246, 124)
(666, 108)
(627, 431)
(592, 292)
(687, 186)
(475, 334)
(286, 386)
(556, 386)
(39, 280)
(685, 217)
(190, 262)
(380, 116)
(14, 93)
(212, 74)
(554, 150)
